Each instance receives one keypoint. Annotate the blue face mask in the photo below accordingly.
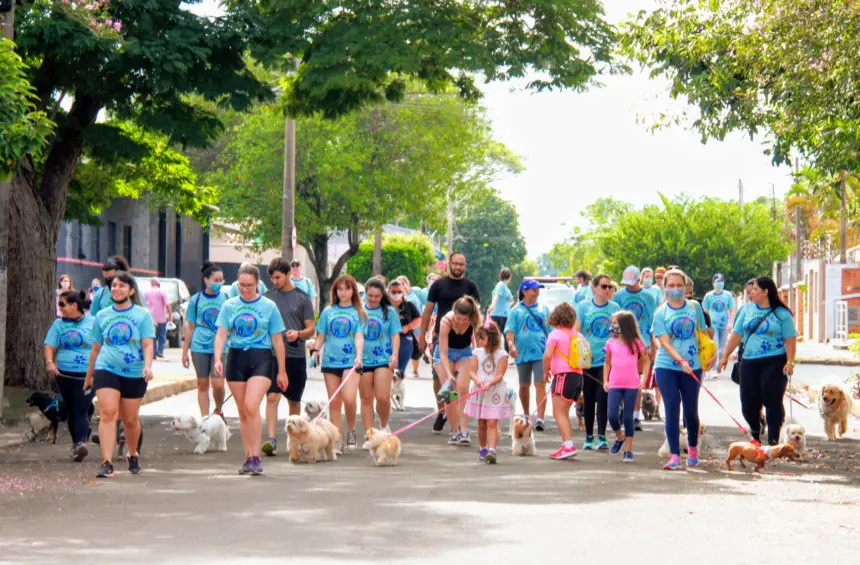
(216, 287)
(96, 288)
(647, 282)
(719, 285)
(675, 293)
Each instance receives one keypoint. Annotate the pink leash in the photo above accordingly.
(343, 382)
(433, 413)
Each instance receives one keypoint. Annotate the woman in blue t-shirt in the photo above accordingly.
(338, 349)
(120, 368)
(677, 365)
(200, 331)
(766, 327)
(380, 355)
(67, 355)
(500, 307)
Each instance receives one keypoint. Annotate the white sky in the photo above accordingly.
(579, 147)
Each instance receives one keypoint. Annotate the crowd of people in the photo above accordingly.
(613, 340)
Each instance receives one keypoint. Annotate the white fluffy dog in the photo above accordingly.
(398, 392)
(314, 407)
(310, 442)
(205, 433)
(794, 434)
(682, 439)
(523, 437)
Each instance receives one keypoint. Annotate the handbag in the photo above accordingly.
(707, 347)
(736, 370)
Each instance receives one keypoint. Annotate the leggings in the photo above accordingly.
(763, 384)
(407, 343)
(616, 396)
(677, 388)
(79, 406)
(592, 392)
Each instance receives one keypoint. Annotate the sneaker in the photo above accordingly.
(589, 443)
(338, 449)
(482, 454)
(270, 447)
(465, 439)
(601, 444)
(256, 466)
(106, 471)
(246, 467)
(439, 424)
(563, 453)
(386, 430)
(692, 457)
(539, 427)
(673, 464)
(454, 439)
(80, 452)
(133, 464)
(351, 441)
(616, 447)
(628, 457)
(491, 456)
(637, 425)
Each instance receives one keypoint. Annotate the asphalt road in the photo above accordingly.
(438, 504)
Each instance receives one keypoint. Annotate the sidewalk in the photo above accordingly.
(811, 353)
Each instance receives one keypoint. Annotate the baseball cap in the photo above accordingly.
(631, 275)
(529, 284)
(719, 278)
(295, 263)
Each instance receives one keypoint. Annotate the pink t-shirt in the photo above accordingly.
(624, 372)
(560, 339)
(156, 303)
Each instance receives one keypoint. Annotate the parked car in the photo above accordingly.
(178, 297)
(554, 293)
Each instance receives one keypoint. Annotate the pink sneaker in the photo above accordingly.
(563, 453)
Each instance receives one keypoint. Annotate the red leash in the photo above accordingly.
(746, 432)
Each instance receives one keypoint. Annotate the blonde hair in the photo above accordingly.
(466, 306)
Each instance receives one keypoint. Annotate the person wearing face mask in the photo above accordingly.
(650, 286)
(95, 286)
(102, 298)
(720, 305)
(410, 320)
(678, 368)
(65, 283)
(200, 331)
(593, 321)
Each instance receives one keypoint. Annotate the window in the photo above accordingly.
(126, 243)
(111, 239)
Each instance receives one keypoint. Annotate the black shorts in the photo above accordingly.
(243, 364)
(128, 387)
(568, 386)
(297, 377)
(339, 373)
(372, 368)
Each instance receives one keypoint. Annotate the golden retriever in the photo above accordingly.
(834, 405)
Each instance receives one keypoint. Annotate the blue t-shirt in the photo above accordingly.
(656, 292)
(416, 300)
(377, 336)
(421, 294)
(233, 292)
(595, 323)
(643, 306)
(73, 341)
(769, 338)
(203, 310)
(250, 325)
(503, 297)
(680, 324)
(718, 306)
(339, 325)
(582, 292)
(121, 333)
(529, 333)
(306, 285)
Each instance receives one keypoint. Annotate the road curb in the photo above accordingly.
(827, 361)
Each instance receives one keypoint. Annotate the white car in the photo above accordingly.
(554, 294)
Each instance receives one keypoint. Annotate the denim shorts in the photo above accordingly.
(454, 355)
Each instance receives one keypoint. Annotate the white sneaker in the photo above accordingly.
(464, 438)
(386, 430)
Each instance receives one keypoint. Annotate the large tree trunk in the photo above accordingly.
(318, 252)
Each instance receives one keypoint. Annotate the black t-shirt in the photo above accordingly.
(446, 291)
(295, 307)
(408, 312)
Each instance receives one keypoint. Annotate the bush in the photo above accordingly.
(411, 256)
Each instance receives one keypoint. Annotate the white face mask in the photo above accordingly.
(65, 284)
(396, 295)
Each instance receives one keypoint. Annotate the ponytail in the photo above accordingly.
(466, 306)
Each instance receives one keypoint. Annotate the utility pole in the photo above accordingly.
(773, 202)
(288, 210)
(8, 22)
(741, 194)
(450, 222)
(843, 219)
(799, 264)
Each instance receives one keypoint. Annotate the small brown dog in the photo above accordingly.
(759, 455)
(383, 446)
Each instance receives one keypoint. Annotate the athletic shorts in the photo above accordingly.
(128, 387)
(530, 372)
(336, 371)
(243, 364)
(204, 365)
(297, 378)
(372, 368)
(568, 386)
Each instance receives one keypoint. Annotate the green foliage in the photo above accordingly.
(581, 250)
(23, 128)
(401, 255)
(525, 268)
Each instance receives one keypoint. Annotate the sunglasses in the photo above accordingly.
(605, 286)
(63, 304)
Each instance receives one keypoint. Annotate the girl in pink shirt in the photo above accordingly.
(567, 380)
(625, 360)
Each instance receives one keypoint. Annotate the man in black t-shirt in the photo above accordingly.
(442, 295)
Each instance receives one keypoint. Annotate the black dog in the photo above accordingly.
(52, 407)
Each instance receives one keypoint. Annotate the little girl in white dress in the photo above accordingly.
(489, 365)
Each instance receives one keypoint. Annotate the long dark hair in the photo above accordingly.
(128, 279)
(77, 297)
(767, 284)
(629, 329)
(377, 283)
(208, 268)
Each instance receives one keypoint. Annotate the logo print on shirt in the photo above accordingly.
(762, 328)
(71, 339)
(209, 316)
(340, 327)
(374, 330)
(600, 327)
(719, 306)
(637, 308)
(683, 327)
(119, 334)
(532, 325)
(245, 324)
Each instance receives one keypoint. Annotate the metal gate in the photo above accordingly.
(841, 319)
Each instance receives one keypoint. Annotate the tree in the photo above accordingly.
(581, 250)
(411, 256)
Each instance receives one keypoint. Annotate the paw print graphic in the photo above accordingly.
(129, 357)
(780, 343)
(692, 351)
(348, 348)
(766, 346)
(140, 356)
(388, 349)
(81, 359)
(344, 360)
(377, 351)
(674, 362)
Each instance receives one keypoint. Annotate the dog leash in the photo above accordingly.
(746, 432)
(433, 413)
(336, 392)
